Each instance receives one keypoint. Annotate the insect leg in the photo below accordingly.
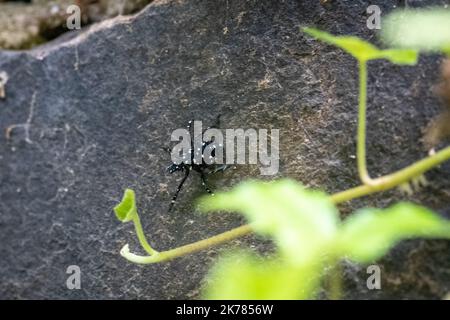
(204, 183)
(175, 196)
(189, 126)
(216, 124)
(222, 168)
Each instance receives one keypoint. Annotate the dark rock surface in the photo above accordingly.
(101, 105)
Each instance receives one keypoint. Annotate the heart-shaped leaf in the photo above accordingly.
(300, 220)
(243, 275)
(368, 234)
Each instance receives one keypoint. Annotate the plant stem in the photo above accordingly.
(361, 137)
(378, 185)
(335, 282)
(394, 179)
(141, 236)
(189, 248)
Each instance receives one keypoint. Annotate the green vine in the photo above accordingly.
(311, 217)
(380, 184)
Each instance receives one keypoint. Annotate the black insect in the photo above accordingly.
(202, 168)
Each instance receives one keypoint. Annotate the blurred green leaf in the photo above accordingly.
(126, 210)
(300, 221)
(425, 29)
(310, 238)
(399, 56)
(243, 275)
(368, 234)
(364, 51)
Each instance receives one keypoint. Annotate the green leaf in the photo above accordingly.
(364, 51)
(245, 276)
(400, 57)
(368, 234)
(301, 221)
(126, 209)
(425, 30)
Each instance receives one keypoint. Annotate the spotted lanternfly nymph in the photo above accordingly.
(202, 168)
